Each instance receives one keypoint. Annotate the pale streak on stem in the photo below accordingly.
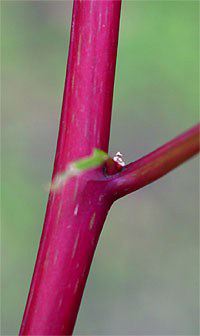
(75, 245)
(92, 220)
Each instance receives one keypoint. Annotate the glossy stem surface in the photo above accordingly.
(156, 164)
(75, 215)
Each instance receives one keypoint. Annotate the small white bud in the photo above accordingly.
(119, 159)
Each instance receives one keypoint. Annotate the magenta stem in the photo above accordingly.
(88, 93)
(156, 164)
(75, 216)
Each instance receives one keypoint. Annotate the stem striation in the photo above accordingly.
(156, 164)
(76, 212)
(75, 215)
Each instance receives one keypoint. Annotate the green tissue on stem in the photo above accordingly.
(96, 159)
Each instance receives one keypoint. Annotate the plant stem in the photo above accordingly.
(156, 164)
(75, 216)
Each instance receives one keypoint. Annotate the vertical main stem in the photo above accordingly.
(75, 215)
(87, 102)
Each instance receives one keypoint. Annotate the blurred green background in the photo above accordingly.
(144, 278)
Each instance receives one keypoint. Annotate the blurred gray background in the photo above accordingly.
(144, 278)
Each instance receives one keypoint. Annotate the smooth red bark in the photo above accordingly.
(156, 164)
(75, 215)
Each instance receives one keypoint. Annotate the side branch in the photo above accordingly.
(156, 164)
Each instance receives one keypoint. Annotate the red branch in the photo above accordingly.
(156, 164)
(75, 215)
